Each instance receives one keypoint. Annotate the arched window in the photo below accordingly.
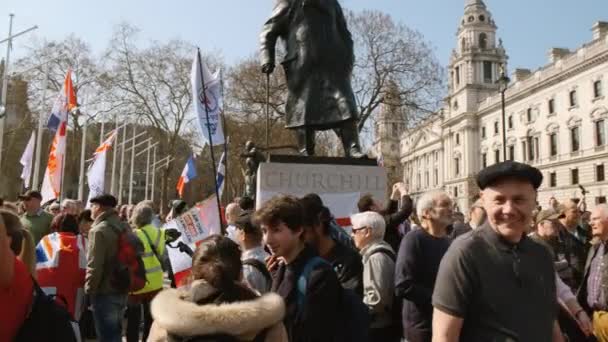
(483, 41)
(462, 45)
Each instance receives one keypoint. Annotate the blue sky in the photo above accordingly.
(528, 27)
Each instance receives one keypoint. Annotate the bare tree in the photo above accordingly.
(390, 53)
(152, 84)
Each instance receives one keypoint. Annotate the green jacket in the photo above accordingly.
(103, 246)
(38, 224)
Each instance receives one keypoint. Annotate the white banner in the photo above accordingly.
(26, 161)
(96, 175)
(196, 224)
(214, 101)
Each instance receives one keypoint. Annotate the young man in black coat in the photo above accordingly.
(312, 316)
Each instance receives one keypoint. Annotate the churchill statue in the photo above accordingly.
(318, 66)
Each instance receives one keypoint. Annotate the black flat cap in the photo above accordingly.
(509, 170)
(30, 194)
(105, 200)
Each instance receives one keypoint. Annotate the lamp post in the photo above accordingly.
(503, 82)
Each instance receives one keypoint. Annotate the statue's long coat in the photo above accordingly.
(318, 63)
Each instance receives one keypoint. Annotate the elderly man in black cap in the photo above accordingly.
(496, 284)
(108, 302)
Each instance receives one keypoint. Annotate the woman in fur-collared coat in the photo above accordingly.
(217, 306)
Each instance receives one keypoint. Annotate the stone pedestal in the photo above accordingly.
(339, 181)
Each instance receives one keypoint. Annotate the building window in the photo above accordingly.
(484, 160)
(436, 177)
(551, 106)
(457, 166)
(553, 179)
(496, 156)
(457, 72)
(529, 115)
(553, 144)
(523, 150)
(426, 178)
(597, 89)
(573, 98)
(574, 176)
(455, 192)
(600, 175)
(495, 127)
(483, 132)
(483, 41)
(512, 152)
(418, 182)
(487, 72)
(600, 133)
(600, 200)
(530, 144)
(457, 138)
(510, 121)
(575, 139)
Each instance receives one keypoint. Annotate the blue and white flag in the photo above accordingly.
(221, 174)
(207, 100)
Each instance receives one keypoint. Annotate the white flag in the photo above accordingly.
(96, 174)
(26, 161)
(221, 175)
(213, 104)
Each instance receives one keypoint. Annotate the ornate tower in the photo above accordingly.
(475, 62)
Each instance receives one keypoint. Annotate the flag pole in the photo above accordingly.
(122, 164)
(37, 165)
(82, 157)
(226, 141)
(213, 166)
(114, 150)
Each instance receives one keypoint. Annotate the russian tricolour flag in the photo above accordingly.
(188, 174)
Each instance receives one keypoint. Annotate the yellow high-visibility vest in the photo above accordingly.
(152, 263)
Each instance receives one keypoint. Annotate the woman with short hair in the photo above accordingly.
(217, 304)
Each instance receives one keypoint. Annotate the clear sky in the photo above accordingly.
(528, 27)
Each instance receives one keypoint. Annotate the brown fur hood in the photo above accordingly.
(176, 312)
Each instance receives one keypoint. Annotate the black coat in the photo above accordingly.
(317, 320)
(393, 217)
(318, 64)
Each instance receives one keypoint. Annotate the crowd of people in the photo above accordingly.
(507, 270)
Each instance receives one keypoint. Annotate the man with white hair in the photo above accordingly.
(70, 206)
(378, 274)
(418, 261)
(233, 211)
(592, 294)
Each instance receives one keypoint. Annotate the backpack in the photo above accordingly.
(260, 266)
(129, 273)
(354, 315)
(396, 309)
(47, 321)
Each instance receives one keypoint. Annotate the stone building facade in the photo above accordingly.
(555, 118)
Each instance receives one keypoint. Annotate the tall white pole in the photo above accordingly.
(41, 116)
(114, 150)
(3, 103)
(122, 164)
(153, 173)
(82, 156)
(147, 168)
(101, 133)
(132, 164)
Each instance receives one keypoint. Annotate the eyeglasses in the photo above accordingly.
(355, 230)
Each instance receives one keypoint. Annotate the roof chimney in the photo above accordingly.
(556, 54)
(521, 74)
(599, 29)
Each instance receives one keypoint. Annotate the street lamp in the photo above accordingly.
(503, 82)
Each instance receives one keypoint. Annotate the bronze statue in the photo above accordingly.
(318, 66)
(252, 161)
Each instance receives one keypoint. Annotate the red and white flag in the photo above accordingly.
(53, 176)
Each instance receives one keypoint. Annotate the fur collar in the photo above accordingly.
(176, 312)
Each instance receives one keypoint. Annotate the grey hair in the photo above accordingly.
(142, 215)
(232, 212)
(69, 203)
(372, 220)
(427, 202)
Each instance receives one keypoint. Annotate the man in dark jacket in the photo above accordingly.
(345, 261)
(394, 215)
(109, 302)
(312, 316)
(318, 66)
(418, 262)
